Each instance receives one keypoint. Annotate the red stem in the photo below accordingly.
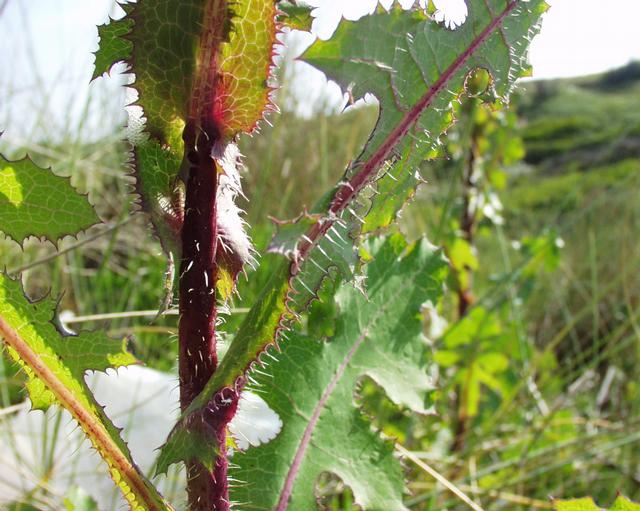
(197, 337)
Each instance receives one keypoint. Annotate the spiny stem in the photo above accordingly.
(198, 273)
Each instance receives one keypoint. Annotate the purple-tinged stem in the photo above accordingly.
(197, 337)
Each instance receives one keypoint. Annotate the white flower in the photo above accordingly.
(452, 13)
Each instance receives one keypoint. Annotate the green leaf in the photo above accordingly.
(624, 504)
(477, 326)
(462, 256)
(295, 16)
(36, 202)
(170, 44)
(587, 504)
(79, 500)
(417, 69)
(379, 336)
(114, 46)
(289, 234)
(55, 368)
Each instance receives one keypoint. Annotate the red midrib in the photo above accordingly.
(349, 190)
(306, 436)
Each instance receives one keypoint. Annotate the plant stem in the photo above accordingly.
(197, 341)
(465, 292)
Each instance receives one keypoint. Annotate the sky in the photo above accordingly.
(47, 45)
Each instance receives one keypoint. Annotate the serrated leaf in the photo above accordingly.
(380, 337)
(246, 64)
(167, 43)
(289, 233)
(36, 202)
(114, 46)
(55, 368)
(587, 504)
(417, 68)
(295, 16)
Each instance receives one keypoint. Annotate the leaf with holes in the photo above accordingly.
(36, 202)
(379, 336)
(55, 368)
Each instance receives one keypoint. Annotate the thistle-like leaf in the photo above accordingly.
(587, 504)
(55, 367)
(416, 68)
(36, 202)
(379, 336)
(114, 47)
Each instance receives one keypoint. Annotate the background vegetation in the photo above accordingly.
(542, 369)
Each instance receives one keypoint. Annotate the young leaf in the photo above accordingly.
(416, 68)
(380, 337)
(55, 368)
(36, 202)
(587, 504)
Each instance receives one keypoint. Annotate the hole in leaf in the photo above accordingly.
(332, 493)
(384, 414)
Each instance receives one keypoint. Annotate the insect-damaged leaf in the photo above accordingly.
(55, 368)
(380, 337)
(36, 202)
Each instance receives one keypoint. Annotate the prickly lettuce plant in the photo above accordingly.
(202, 74)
